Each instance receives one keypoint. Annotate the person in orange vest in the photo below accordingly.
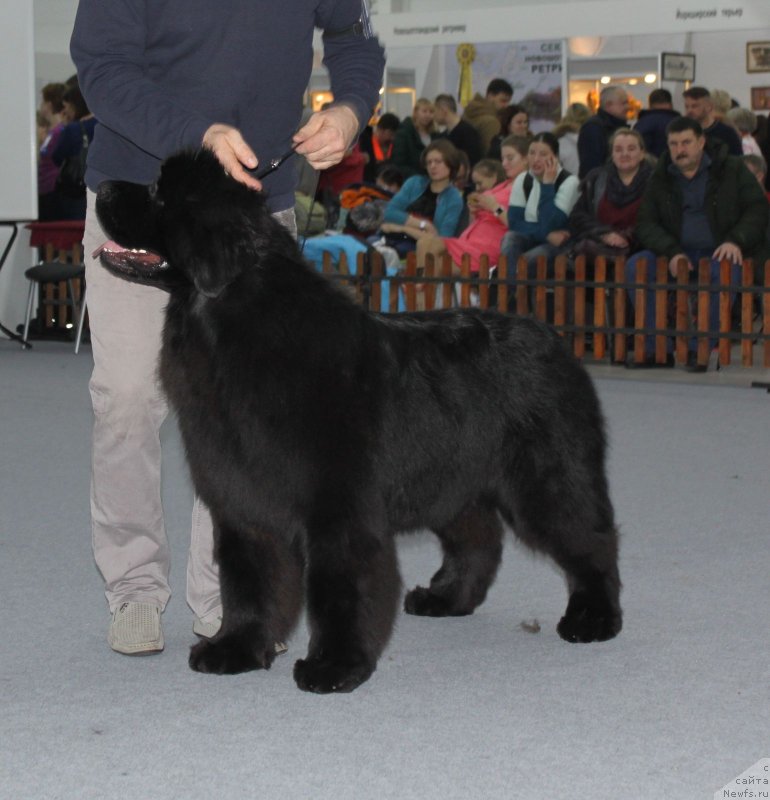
(376, 144)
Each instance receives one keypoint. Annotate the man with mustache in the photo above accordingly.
(701, 202)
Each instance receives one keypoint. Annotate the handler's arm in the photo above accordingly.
(355, 61)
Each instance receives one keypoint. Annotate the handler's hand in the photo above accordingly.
(327, 136)
(233, 153)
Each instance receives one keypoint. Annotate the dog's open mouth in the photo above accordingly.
(129, 261)
(137, 265)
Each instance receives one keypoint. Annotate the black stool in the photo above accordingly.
(56, 272)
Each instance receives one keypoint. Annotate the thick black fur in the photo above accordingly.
(315, 430)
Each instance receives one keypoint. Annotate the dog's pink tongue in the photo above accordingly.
(113, 247)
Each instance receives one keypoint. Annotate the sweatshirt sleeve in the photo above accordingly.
(353, 56)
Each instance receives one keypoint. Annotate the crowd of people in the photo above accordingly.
(65, 129)
(688, 185)
(478, 182)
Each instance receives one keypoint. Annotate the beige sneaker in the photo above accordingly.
(211, 628)
(135, 629)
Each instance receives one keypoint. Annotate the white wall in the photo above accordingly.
(721, 62)
(53, 26)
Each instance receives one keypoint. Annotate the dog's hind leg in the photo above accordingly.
(472, 545)
(353, 588)
(571, 519)
(261, 585)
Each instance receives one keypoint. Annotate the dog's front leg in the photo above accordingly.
(353, 589)
(261, 584)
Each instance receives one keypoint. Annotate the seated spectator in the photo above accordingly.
(745, 122)
(700, 203)
(652, 121)
(595, 132)
(333, 180)
(426, 205)
(413, 136)
(376, 145)
(487, 206)
(566, 131)
(757, 166)
(481, 112)
(51, 109)
(604, 217)
(699, 106)
(363, 205)
(541, 201)
(80, 127)
(462, 134)
(514, 121)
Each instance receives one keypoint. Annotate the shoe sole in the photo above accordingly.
(148, 649)
(143, 650)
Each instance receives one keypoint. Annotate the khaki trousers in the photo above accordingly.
(128, 532)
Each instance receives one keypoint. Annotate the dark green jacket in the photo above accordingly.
(736, 206)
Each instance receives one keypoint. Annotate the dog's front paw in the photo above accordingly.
(589, 622)
(230, 655)
(323, 676)
(424, 603)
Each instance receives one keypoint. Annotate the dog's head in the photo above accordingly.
(195, 225)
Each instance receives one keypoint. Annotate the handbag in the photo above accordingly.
(71, 181)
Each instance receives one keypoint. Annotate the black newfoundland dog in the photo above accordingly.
(315, 430)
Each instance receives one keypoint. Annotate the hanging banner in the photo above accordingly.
(534, 69)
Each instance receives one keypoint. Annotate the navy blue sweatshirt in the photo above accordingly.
(158, 73)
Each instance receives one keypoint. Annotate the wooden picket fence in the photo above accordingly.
(608, 327)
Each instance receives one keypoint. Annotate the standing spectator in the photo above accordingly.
(376, 145)
(481, 112)
(701, 202)
(653, 121)
(593, 149)
(413, 136)
(514, 121)
(722, 103)
(161, 77)
(77, 135)
(462, 134)
(745, 122)
(698, 106)
(566, 131)
(51, 109)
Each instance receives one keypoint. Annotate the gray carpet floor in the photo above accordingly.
(479, 707)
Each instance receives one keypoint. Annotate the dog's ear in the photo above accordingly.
(215, 247)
